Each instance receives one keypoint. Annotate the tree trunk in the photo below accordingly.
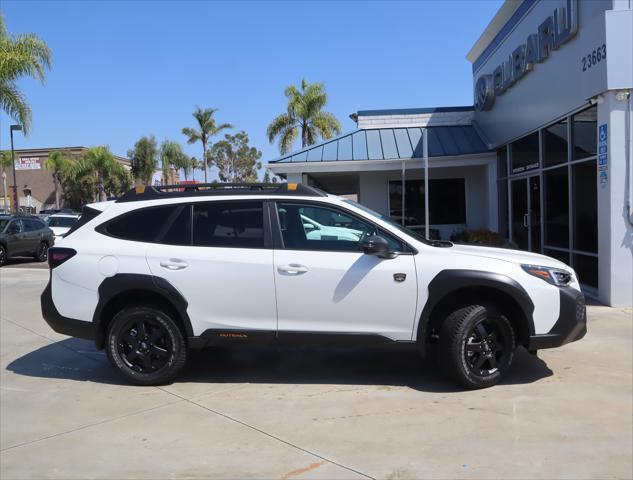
(204, 160)
(56, 183)
(101, 196)
(304, 136)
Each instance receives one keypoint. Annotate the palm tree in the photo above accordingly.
(143, 159)
(101, 161)
(21, 55)
(207, 128)
(58, 162)
(305, 116)
(171, 156)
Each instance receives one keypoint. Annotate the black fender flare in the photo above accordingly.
(450, 281)
(123, 282)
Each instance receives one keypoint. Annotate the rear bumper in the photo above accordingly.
(61, 324)
(571, 324)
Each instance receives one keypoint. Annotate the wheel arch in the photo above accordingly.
(133, 289)
(452, 289)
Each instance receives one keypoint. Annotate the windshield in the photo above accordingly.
(390, 221)
(3, 223)
(66, 222)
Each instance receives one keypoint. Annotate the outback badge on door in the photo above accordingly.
(399, 277)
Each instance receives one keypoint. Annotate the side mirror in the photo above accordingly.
(375, 245)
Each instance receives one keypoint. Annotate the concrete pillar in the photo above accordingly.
(615, 232)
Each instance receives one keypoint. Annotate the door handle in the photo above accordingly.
(173, 264)
(293, 269)
(526, 220)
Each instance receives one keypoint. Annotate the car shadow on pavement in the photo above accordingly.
(75, 359)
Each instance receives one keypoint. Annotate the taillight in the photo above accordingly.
(58, 255)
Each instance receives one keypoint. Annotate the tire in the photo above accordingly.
(146, 345)
(477, 345)
(3, 255)
(41, 254)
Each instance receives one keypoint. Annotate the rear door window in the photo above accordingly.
(236, 224)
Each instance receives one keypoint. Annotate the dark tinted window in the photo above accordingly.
(142, 225)
(585, 135)
(556, 207)
(555, 144)
(587, 269)
(61, 221)
(178, 228)
(229, 224)
(316, 227)
(30, 225)
(585, 202)
(502, 162)
(447, 201)
(15, 227)
(525, 154)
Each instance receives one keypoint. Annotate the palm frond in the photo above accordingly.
(14, 104)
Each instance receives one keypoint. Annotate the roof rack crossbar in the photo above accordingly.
(205, 189)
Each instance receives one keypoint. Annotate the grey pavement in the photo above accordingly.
(308, 413)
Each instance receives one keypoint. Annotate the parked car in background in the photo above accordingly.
(24, 236)
(60, 223)
(52, 211)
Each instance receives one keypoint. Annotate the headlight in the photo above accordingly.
(553, 276)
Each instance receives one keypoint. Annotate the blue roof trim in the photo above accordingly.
(412, 111)
(503, 33)
(391, 143)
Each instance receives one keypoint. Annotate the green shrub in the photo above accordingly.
(479, 237)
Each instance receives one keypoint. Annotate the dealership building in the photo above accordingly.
(543, 156)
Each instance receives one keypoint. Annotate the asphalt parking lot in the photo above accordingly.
(308, 413)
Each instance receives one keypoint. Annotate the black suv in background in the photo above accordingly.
(24, 236)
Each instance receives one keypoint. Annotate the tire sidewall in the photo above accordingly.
(178, 354)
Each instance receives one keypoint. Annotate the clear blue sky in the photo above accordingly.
(126, 69)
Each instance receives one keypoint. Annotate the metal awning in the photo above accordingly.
(391, 143)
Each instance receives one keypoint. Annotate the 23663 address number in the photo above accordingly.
(593, 58)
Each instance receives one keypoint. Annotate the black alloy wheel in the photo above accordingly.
(487, 348)
(3, 256)
(144, 345)
(477, 344)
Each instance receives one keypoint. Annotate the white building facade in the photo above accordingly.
(543, 157)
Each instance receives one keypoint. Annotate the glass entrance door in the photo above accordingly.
(526, 213)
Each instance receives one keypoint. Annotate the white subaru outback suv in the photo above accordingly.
(163, 270)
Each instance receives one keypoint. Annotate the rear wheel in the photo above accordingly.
(41, 254)
(476, 346)
(3, 255)
(146, 346)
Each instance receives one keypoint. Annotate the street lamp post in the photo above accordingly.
(15, 183)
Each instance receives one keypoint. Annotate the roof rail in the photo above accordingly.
(206, 189)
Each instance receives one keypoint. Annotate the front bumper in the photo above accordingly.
(61, 324)
(571, 324)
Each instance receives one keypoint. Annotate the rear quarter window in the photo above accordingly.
(165, 224)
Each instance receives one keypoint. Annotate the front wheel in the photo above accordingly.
(3, 255)
(146, 346)
(476, 346)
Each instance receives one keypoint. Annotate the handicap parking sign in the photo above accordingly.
(602, 136)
